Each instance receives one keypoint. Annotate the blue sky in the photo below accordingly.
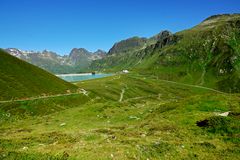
(60, 25)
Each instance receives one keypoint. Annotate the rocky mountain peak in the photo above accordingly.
(76, 52)
(161, 35)
(99, 51)
(127, 45)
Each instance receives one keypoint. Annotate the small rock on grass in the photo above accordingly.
(25, 148)
(62, 124)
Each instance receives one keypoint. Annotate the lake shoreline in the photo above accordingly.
(81, 76)
(75, 74)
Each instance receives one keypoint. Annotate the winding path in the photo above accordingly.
(195, 86)
(42, 97)
(121, 95)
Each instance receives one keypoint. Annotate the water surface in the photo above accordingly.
(81, 77)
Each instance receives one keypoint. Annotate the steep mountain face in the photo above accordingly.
(99, 54)
(79, 55)
(135, 44)
(77, 61)
(208, 55)
(19, 79)
(128, 45)
(158, 37)
(123, 54)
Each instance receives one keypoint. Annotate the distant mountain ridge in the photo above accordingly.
(77, 61)
(80, 59)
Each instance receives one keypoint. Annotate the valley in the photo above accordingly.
(170, 96)
(149, 122)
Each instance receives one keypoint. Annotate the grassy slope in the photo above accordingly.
(19, 79)
(202, 53)
(207, 55)
(155, 120)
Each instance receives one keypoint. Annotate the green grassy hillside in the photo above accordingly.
(207, 55)
(123, 117)
(19, 79)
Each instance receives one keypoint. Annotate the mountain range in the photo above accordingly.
(77, 61)
(80, 59)
(207, 54)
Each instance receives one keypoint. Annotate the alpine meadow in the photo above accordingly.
(172, 95)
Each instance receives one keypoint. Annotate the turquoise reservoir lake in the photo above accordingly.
(81, 77)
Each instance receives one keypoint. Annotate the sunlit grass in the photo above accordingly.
(155, 120)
